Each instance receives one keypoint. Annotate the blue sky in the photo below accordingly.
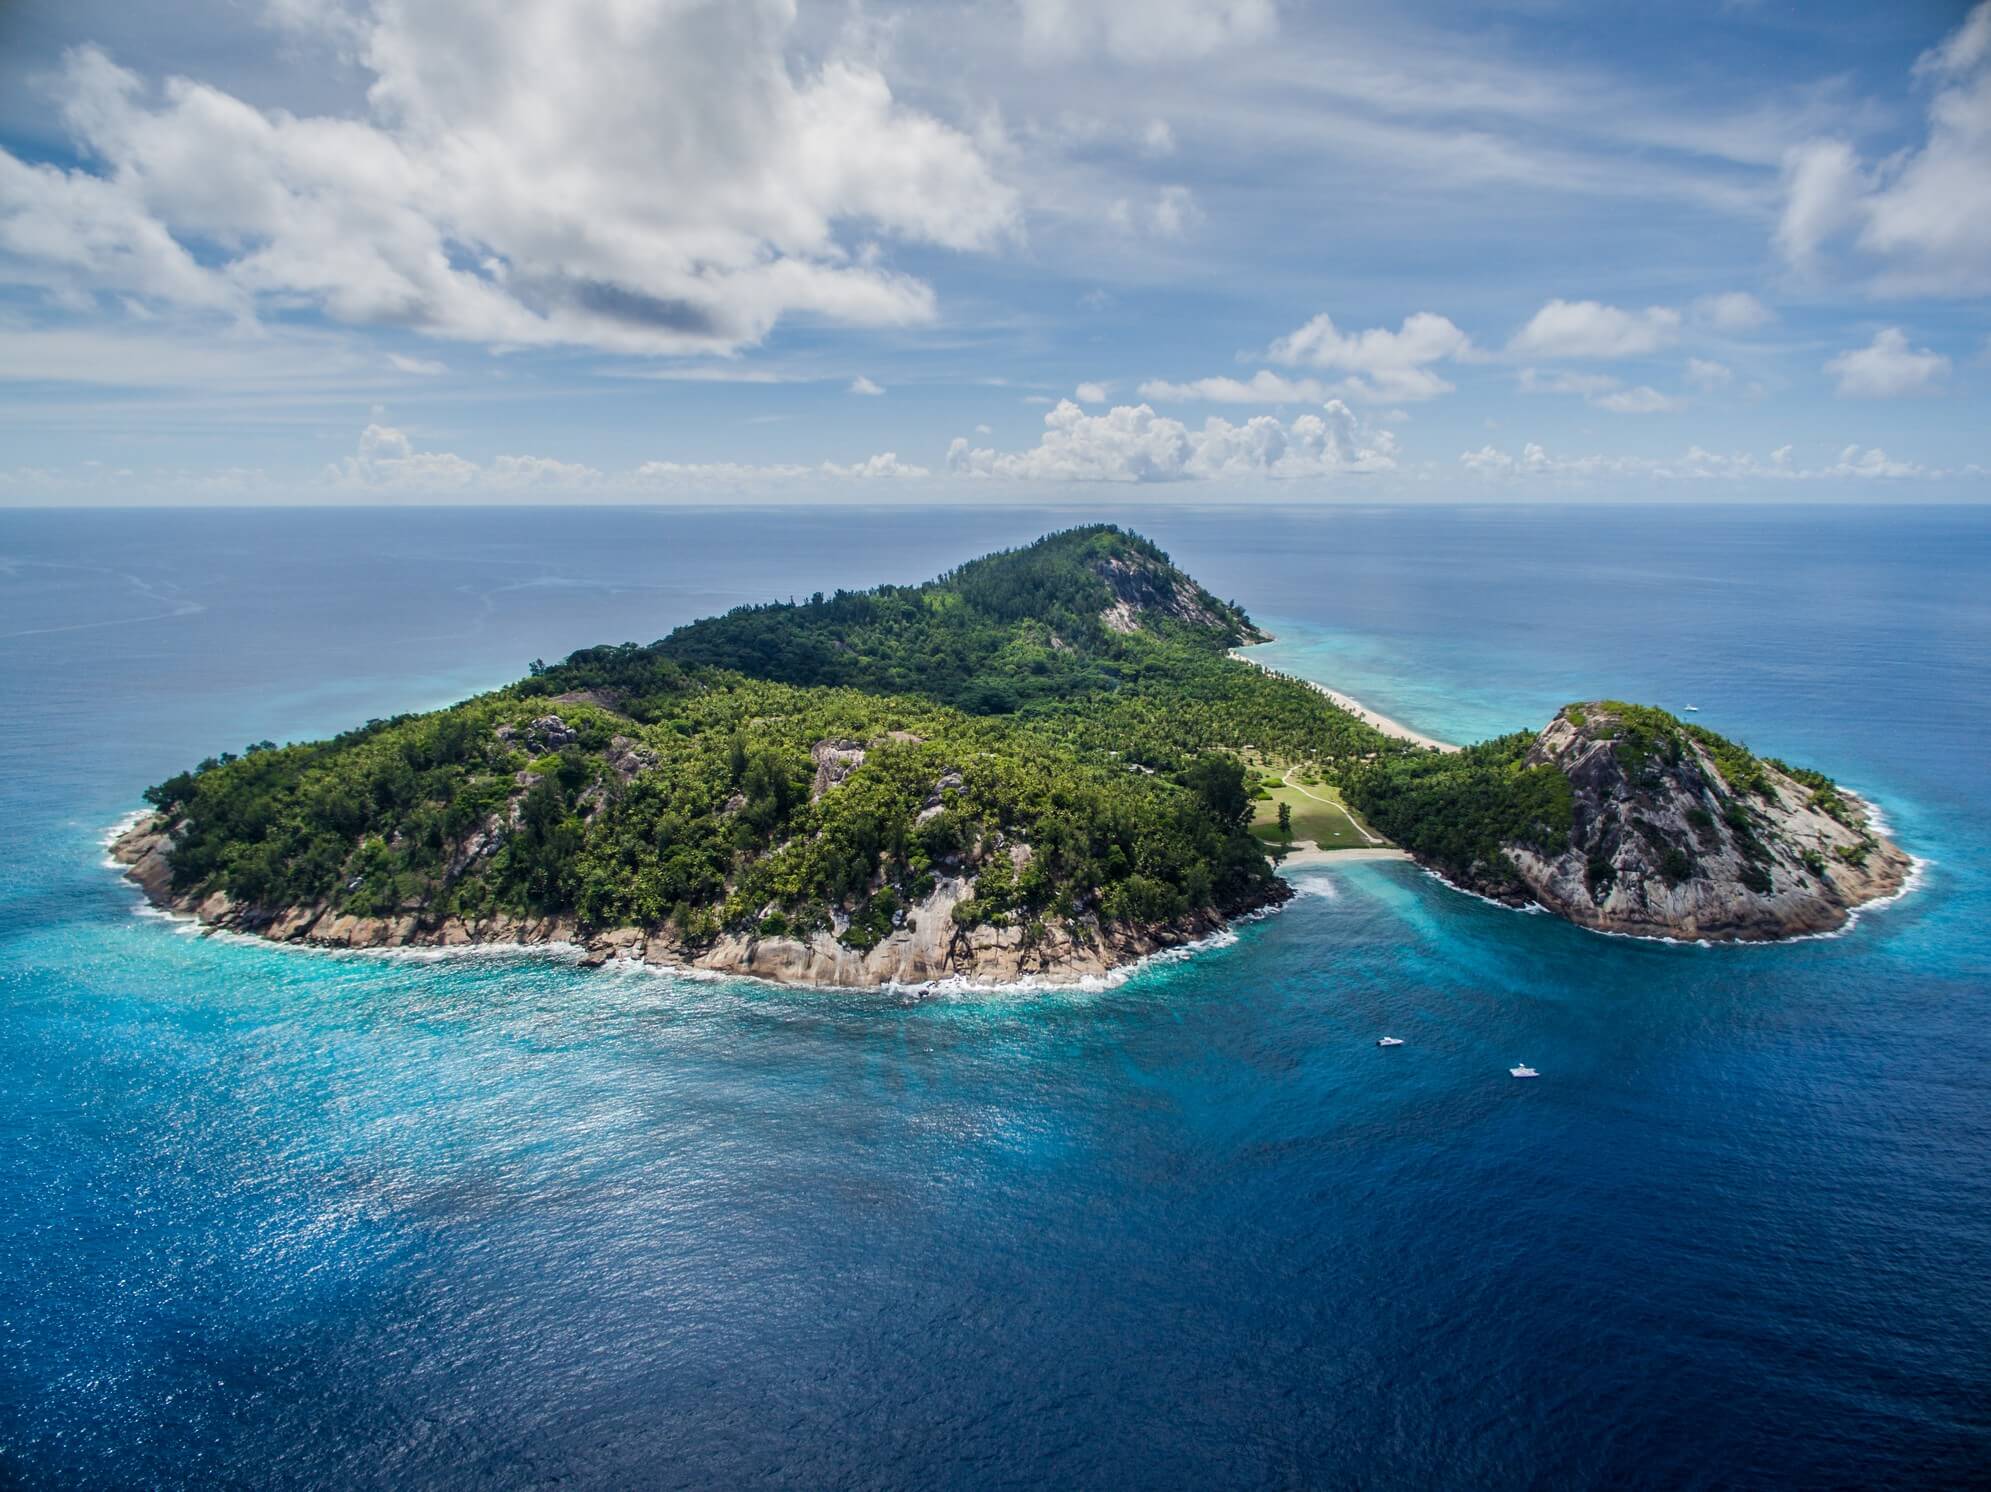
(659, 250)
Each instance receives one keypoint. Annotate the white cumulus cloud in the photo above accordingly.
(1590, 329)
(1921, 216)
(1380, 366)
(1131, 443)
(1733, 311)
(1641, 400)
(1708, 375)
(863, 385)
(513, 180)
(387, 461)
(1384, 365)
(1887, 368)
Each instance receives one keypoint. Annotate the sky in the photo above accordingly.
(394, 251)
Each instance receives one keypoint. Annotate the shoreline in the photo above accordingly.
(1085, 954)
(565, 951)
(1306, 855)
(1375, 718)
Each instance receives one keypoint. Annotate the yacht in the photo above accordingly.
(1523, 1071)
(1691, 709)
(1389, 1041)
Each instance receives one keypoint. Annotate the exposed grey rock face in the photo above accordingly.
(145, 850)
(835, 761)
(1143, 587)
(924, 945)
(629, 758)
(547, 733)
(1663, 844)
(947, 784)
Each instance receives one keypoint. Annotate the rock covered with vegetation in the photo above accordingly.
(1035, 765)
(1625, 819)
(1026, 767)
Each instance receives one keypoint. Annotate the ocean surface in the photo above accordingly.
(283, 1219)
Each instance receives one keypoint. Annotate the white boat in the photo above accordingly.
(1691, 709)
(1389, 1041)
(1523, 1071)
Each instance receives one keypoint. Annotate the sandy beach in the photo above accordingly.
(1306, 854)
(1354, 707)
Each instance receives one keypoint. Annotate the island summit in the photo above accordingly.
(1044, 764)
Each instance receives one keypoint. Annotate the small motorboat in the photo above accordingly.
(1523, 1071)
(1389, 1041)
(1691, 709)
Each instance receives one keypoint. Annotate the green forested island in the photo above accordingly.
(1045, 762)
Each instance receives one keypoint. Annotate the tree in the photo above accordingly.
(1286, 822)
(1219, 782)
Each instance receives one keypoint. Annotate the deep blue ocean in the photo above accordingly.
(273, 1218)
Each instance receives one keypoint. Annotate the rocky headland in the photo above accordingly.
(1677, 833)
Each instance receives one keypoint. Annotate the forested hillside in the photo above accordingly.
(1058, 722)
(1047, 749)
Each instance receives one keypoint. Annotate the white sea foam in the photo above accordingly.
(1318, 882)
(961, 986)
(1876, 820)
(1917, 868)
(187, 924)
(558, 950)
(118, 831)
(1532, 909)
(123, 826)
(191, 926)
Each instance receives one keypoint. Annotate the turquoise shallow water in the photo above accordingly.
(270, 1218)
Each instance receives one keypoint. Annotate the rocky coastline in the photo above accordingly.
(929, 948)
(1667, 844)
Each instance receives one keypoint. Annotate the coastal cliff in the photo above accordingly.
(1673, 831)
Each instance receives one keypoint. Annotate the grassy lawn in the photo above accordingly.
(1328, 823)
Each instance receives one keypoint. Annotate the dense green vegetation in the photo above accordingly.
(1061, 722)
(1461, 812)
(1072, 697)
(1457, 809)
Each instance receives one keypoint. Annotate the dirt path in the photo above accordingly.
(1301, 788)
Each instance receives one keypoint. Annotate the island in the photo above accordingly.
(1045, 764)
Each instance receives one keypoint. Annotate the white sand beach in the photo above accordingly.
(1305, 853)
(1354, 707)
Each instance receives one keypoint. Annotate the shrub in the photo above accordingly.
(1600, 875)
